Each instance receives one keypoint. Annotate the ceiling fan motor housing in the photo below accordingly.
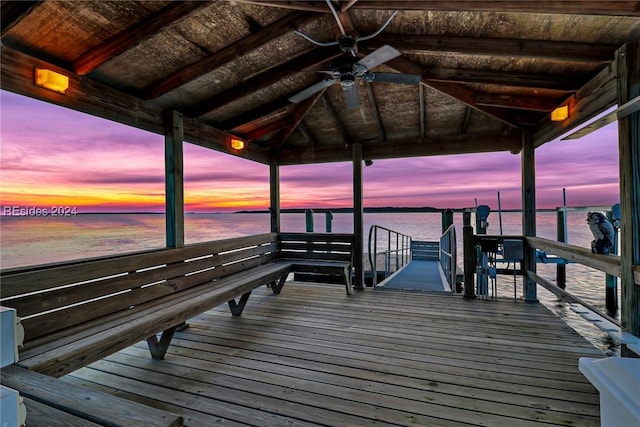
(347, 80)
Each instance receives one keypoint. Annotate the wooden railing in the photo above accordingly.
(609, 264)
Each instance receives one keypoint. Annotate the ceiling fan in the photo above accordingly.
(348, 68)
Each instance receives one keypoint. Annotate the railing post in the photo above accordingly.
(469, 260)
(328, 219)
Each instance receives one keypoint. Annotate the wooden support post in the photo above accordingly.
(447, 219)
(174, 179)
(469, 254)
(611, 282)
(308, 214)
(358, 217)
(274, 196)
(561, 269)
(529, 213)
(628, 87)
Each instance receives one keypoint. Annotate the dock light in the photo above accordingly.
(560, 113)
(51, 80)
(237, 143)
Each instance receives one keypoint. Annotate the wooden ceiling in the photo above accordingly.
(490, 70)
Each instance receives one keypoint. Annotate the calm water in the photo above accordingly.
(40, 240)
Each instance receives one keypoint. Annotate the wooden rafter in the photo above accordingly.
(228, 54)
(336, 118)
(504, 47)
(309, 6)
(301, 62)
(376, 111)
(12, 12)
(284, 122)
(466, 119)
(308, 134)
(141, 30)
(457, 91)
(519, 102)
(257, 113)
(347, 4)
(503, 78)
(298, 115)
(573, 7)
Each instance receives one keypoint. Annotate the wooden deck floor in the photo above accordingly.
(315, 356)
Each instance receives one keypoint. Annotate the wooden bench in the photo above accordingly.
(79, 312)
(320, 254)
(53, 402)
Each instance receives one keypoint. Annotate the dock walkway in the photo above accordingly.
(315, 356)
(418, 275)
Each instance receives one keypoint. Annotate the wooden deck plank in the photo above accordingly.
(316, 356)
(41, 415)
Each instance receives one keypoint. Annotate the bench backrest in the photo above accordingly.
(317, 246)
(54, 297)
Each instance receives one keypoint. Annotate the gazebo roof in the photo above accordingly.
(488, 70)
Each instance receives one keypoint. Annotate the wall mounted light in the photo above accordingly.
(51, 80)
(560, 113)
(237, 143)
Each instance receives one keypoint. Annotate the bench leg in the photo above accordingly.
(276, 286)
(347, 280)
(237, 307)
(159, 348)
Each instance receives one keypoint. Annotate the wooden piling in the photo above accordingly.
(611, 282)
(447, 219)
(469, 255)
(561, 269)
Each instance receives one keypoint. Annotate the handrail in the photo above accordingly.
(398, 249)
(610, 264)
(448, 255)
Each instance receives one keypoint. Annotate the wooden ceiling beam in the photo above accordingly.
(228, 54)
(572, 7)
(593, 98)
(346, 138)
(567, 51)
(262, 111)
(272, 127)
(158, 21)
(100, 100)
(299, 113)
(376, 111)
(503, 78)
(518, 102)
(11, 12)
(458, 144)
(457, 91)
(308, 134)
(466, 119)
(301, 62)
(346, 5)
(309, 6)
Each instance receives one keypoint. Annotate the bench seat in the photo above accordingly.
(321, 254)
(52, 402)
(98, 338)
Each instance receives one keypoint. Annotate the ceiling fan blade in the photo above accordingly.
(352, 97)
(407, 79)
(301, 96)
(379, 56)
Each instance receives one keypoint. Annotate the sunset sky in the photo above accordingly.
(51, 156)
